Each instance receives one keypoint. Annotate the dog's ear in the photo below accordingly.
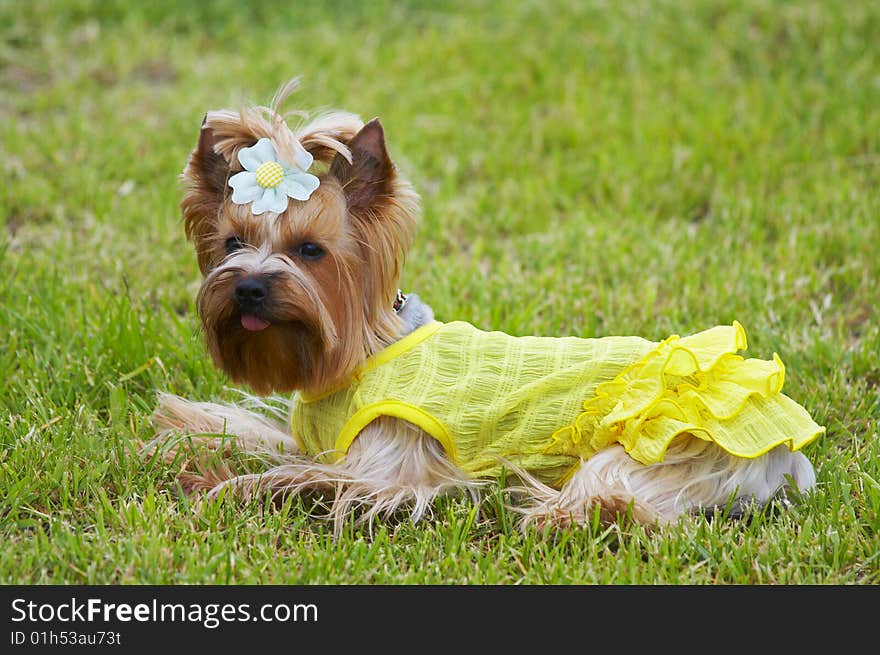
(369, 177)
(205, 177)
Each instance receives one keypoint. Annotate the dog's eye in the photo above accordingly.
(233, 244)
(310, 251)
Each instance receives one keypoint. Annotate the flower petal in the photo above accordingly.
(299, 186)
(271, 200)
(259, 153)
(245, 187)
(302, 157)
(279, 203)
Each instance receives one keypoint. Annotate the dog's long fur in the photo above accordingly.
(328, 316)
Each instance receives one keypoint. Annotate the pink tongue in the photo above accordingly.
(253, 323)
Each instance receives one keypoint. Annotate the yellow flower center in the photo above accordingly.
(270, 174)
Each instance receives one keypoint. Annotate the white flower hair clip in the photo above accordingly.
(266, 181)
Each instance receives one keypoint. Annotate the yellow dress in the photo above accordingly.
(545, 404)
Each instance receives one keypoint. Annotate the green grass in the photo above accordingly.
(586, 168)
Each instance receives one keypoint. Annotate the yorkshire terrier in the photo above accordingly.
(387, 408)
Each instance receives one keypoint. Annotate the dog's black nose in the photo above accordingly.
(250, 292)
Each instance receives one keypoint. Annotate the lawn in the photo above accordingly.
(586, 168)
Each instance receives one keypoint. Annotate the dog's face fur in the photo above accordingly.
(297, 300)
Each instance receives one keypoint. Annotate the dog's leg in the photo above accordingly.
(208, 423)
(394, 464)
(694, 476)
(180, 423)
(391, 465)
(751, 482)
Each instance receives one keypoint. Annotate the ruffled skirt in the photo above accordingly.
(698, 386)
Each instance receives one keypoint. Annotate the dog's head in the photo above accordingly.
(297, 295)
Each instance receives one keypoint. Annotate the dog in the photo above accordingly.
(386, 408)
